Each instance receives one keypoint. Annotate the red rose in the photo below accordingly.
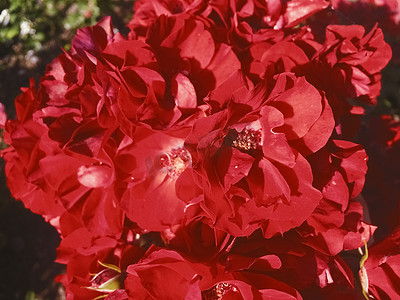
(350, 62)
(269, 58)
(347, 65)
(314, 274)
(147, 11)
(337, 223)
(95, 266)
(152, 164)
(244, 165)
(54, 181)
(192, 60)
(56, 185)
(331, 231)
(117, 83)
(28, 145)
(273, 14)
(166, 274)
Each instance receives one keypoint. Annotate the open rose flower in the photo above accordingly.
(246, 173)
(386, 13)
(28, 145)
(153, 164)
(350, 62)
(54, 183)
(117, 82)
(331, 231)
(346, 65)
(164, 273)
(114, 81)
(65, 169)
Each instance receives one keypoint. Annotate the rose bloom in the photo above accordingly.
(159, 82)
(96, 265)
(313, 274)
(89, 100)
(337, 223)
(63, 141)
(120, 82)
(153, 164)
(109, 79)
(192, 59)
(350, 61)
(53, 182)
(346, 65)
(28, 146)
(246, 174)
(261, 14)
(163, 274)
(239, 24)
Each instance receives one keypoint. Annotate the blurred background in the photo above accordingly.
(32, 34)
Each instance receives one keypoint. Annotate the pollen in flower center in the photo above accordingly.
(176, 161)
(218, 291)
(247, 139)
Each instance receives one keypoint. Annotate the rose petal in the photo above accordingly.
(94, 176)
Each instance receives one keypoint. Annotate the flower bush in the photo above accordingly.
(209, 154)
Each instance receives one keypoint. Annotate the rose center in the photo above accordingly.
(247, 139)
(218, 291)
(176, 161)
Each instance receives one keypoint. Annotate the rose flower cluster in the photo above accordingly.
(207, 155)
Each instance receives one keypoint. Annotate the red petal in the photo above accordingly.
(301, 106)
(94, 176)
(183, 91)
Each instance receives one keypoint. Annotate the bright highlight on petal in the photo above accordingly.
(94, 176)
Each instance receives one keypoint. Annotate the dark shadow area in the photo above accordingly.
(27, 251)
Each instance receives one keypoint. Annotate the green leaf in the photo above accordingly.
(109, 286)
